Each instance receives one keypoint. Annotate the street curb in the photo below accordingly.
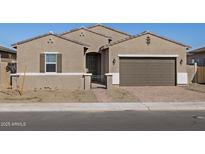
(95, 107)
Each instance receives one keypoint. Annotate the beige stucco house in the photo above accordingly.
(74, 59)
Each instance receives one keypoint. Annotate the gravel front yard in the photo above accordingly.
(121, 95)
(167, 93)
(48, 96)
(190, 93)
(197, 87)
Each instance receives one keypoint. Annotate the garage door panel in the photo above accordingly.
(148, 61)
(150, 66)
(152, 72)
(150, 79)
(160, 77)
(143, 83)
(147, 71)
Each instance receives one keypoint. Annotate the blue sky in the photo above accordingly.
(190, 34)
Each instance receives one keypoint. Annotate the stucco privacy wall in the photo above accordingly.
(108, 32)
(73, 63)
(4, 75)
(191, 73)
(49, 81)
(157, 46)
(94, 40)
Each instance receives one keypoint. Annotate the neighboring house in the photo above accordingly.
(197, 71)
(197, 55)
(7, 55)
(67, 60)
(7, 58)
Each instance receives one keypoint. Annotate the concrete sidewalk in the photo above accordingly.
(27, 107)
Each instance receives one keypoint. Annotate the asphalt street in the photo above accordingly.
(103, 121)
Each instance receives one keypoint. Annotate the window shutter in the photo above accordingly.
(59, 63)
(42, 63)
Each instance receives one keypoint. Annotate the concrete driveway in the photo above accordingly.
(165, 94)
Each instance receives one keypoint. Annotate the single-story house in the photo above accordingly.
(196, 55)
(73, 59)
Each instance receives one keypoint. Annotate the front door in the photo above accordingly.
(93, 65)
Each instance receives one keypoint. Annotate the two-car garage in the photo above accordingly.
(147, 71)
(147, 59)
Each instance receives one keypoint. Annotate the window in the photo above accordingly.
(50, 63)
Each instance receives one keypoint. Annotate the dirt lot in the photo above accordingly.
(197, 87)
(114, 95)
(190, 93)
(48, 96)
(121, 95)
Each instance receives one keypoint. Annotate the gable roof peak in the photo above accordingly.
(50, 32)
(101, 25)
(84, 28)
(47, 34)
(144, 33)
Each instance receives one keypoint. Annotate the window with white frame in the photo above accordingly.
(50, 63)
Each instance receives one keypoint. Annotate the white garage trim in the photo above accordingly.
(115, 77)
(145, 55)
(182, 78)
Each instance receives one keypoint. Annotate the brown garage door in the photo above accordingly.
(147, 71)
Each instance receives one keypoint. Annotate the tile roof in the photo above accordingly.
(143, 33)
(83, 28)
(50, 33)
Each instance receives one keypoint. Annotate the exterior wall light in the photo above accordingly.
(113, 61)
(181, 61)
